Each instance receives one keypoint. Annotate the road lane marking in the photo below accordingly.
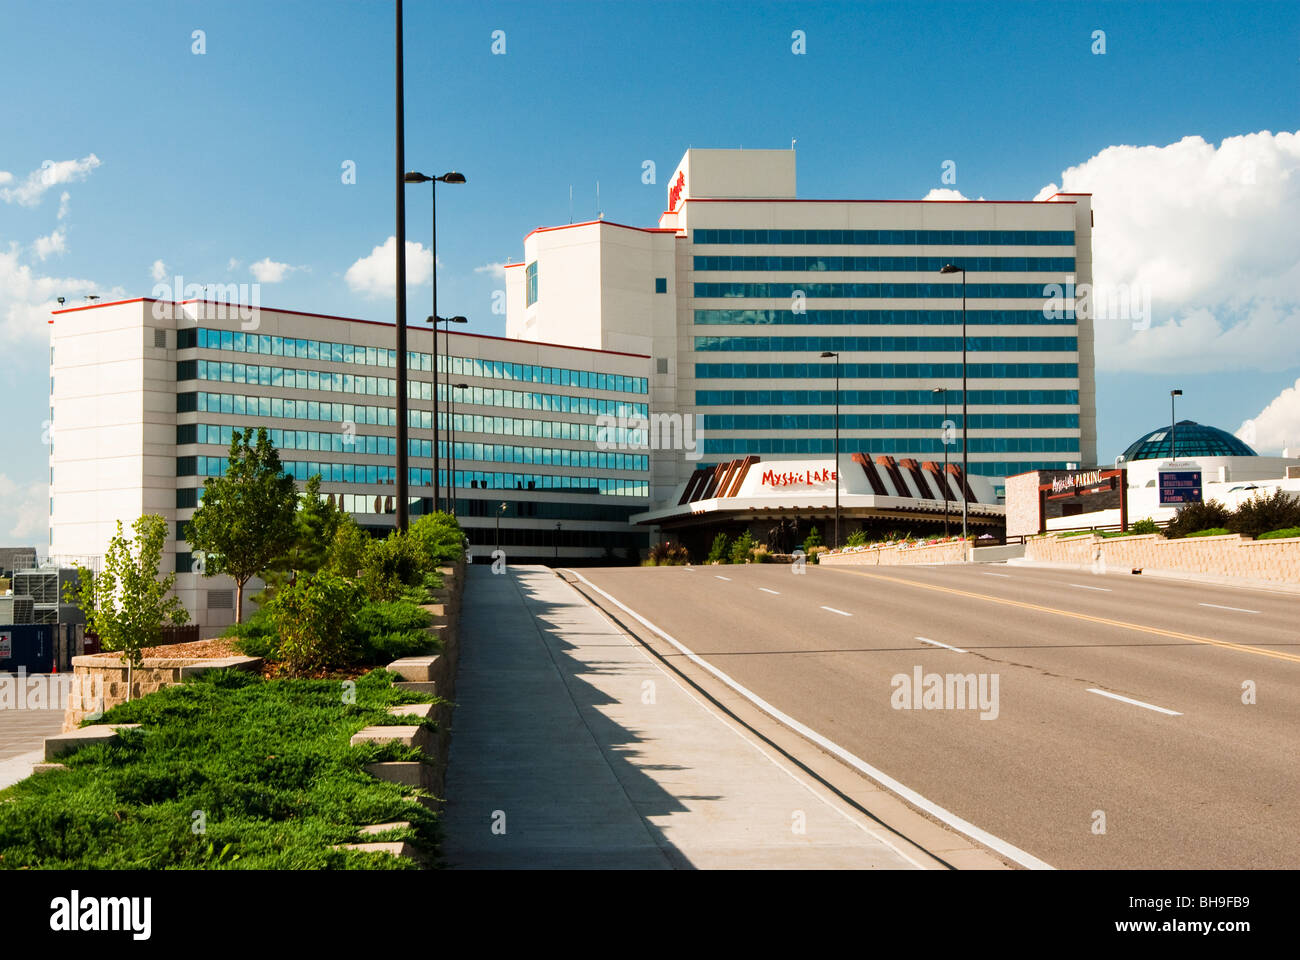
(1105, 621)
(1084, 586)
(833, 610)
(1011, 852)
(765, 590)
(721, 577)
(1136, 703)
(938, 644)
(987, 574)
(1219, 606)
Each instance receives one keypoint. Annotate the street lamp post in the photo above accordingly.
(451, 427)
(434, 321)
(1173, 425)
(829, 353)
(500, 510)
(403, 480)
(943, 427)
(413, 176)
(949, 268)
(557, 540)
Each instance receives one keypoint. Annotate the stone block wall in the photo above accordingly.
(1276, 561)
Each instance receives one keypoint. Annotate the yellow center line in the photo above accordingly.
(1123, 624)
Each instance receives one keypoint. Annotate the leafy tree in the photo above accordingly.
(742, 550)
(814, 539)
(311, 617)
(315, 524)
(720, 551)
(1264, 513)
(126, 603)
(347, 550)
(248, 517)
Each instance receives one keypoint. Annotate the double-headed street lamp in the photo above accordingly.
(830, 353)
(437, 380)
(413, 176)
(949, 268)
(944, 439)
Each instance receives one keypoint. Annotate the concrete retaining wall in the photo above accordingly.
(1232, 555)
(952, 552)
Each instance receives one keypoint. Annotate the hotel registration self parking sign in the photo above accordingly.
(1179, 483)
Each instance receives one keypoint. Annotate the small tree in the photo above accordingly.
(126, 604)
(742, 550)
(814, 539)
(347, 549)
(311, 616)
(247, 518)
(315, 525)
(720, 551)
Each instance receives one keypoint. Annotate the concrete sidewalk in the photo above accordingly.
(573, 748)
(23, 732)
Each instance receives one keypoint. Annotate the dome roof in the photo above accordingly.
(1193, 439)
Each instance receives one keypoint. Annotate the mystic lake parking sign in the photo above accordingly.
(1179, 487)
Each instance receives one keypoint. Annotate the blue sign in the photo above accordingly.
(1179, 486)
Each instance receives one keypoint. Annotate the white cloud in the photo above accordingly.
(65, 205)
(945, 193)
(6, 177)
(1277, 426)
(267, 270)
(25, 512)
(56, 242)
(158, 271)
(26, 298)
(497, 269)
(51, 173)
(233, 264)
(373, 275)
(1209, 235)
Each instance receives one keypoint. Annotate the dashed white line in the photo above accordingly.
(721, 577)
(1136, 703)
(833, 610)
(987, 574)
(1084, 586)
(765, 590)
(1219, 606)
(938, 644)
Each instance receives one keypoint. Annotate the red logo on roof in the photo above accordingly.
(675, 192)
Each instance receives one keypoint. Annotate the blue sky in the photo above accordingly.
(236, 154)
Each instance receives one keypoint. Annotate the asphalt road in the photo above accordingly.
(1064, 771)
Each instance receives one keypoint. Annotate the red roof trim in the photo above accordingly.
(801, 200)
(608, 223)
(375, 323)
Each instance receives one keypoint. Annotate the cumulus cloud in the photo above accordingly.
(158, 271)
(24, 511)
(373, 275)
(1277, 426)
(51, 174)
(6, 177)
(56, 242)
(945, 193)
(27, 297)
(233, 264)
(497, 269)
(65, 205)
(1208, 234)
(268, 271)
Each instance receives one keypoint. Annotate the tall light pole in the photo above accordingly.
(949, 268)
(943, 427)
(1173, 425)
(500, 510)
(412, 176)
(557, 540)
(829, 353)
(403, 480)
(451, 426)
(434, 321)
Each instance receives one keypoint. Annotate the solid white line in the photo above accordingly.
(938, 644)
(1084, 586)
(765, 590)
(987, 574)
(1219, 606)
(721, 577)
(840, 612)
(1136, 703)
(911, 796)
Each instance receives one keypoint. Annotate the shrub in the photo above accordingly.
(720, 552)
(439, 537)
(1197, 516)
(311, 616)
(256, 636)
(392, 564)
(1212, 532)
(1143, 526)
(814, 539)
(816, 552)
(1279, 534)
(858, 538)
(762, 554)
(383, 632)
(1263, 513)
(743, 548)
(668, 554)
(347, 553)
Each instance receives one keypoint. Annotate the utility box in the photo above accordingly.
(27, 645)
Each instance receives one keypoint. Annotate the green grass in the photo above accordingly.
(1282, 534)
(1211, 532)
(267, 761)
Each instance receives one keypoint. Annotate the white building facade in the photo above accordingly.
(742, 286)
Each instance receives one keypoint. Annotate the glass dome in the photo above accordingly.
(1193, 439)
